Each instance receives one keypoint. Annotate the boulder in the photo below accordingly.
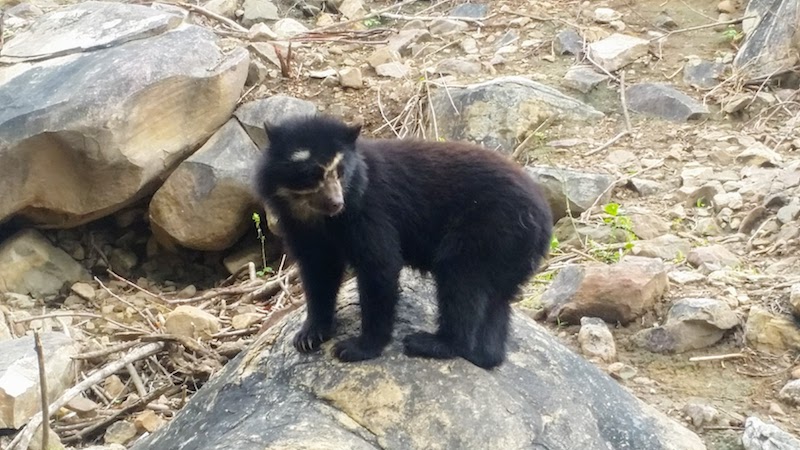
(272, 110)
(691, 323)
(19, 375)
(207, 202)
(616, 293)
(759, 435)
(86, 134)
(30, 264)
(579, 190)
(766, 331)
(500, 113)
(771, 43)
(664, 101)
(544, 396)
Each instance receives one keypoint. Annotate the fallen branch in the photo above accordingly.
(704, 26)
(23, 439)
(80, 314)
(613, 140)
(478, 22)
(368, 16)
(625, 114)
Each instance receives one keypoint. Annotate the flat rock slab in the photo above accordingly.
(664, 101)
(87, 26)
(19, 375)
(500, 113)
(207, 202)
(86, 134)
(545, 396)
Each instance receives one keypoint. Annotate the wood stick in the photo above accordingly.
(23, 439)
(235, 26)
(359, 19)
(717, 357)
(42, 389)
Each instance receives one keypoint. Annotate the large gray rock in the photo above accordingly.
(579, 190)
(87, 26)
(30, 264)
(544, 396)
(272, 110)
(19, 375)
(86, 134)
(500, 113)
(771, 45)
(207, 202)
(759, 435)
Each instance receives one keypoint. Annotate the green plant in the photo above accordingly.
(372, 22)
(261, 237)
(619, 221)
(554, 244)
(732, 35)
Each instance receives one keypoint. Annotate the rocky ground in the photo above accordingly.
(708, 182)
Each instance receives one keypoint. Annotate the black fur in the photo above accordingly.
(469, 216)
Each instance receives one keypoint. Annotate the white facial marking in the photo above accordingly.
(300, 155)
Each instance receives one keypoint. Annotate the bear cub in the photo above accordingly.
(469, 216)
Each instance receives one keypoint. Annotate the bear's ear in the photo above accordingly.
(272, 131)
(352, 132)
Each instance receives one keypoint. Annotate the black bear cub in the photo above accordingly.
(467, 215)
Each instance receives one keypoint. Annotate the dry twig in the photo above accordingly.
(230, 23)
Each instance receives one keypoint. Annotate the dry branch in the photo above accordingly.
(42, 389)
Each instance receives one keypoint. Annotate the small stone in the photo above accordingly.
(664, 21)
(403, 40)
(226, 8)
(189, 321)
(617, 51)
(646, 187)
(795, 373)
(261, 32)
(286, 28)
(701, 414)
(84, 290)
(458, 66)
(122, 261)
(392, 70)
(667, 247)
(702, 74)
(82, 406)
(760, 155)
(256, 72)
(767, 331)
(148, 421)
(444, 27)
(258, 11)
(114, 386)
(712, 257)
(726, 6)
(794, 299)
(605, 15)
(352, 9)
(246, 320)
(469, 45)
(776, 410)
(787, 214)
(596, 339)
(732, 200)
(120, 432)
(685, 277)
(583, 78)
(621, 371)
(664, 101)
(383, 55)
(568, 42)
(188, 292)
(323, 74)
(790, 393)
(471, 10)
(17, 301)
(350, 77)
